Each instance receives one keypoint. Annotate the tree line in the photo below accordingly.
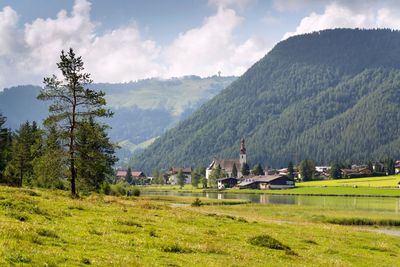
(72, 149)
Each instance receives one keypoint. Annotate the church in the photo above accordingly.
(227, 164)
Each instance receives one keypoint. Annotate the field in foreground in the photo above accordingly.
(47, 228)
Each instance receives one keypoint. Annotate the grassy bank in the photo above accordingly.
(300, 189)
(47, 228)
(379, 182)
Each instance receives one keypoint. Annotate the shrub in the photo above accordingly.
(175, 248)
(267, 241)
(136, 192)
(197, 202)
(47, 233)
(118, 189)
(105, 188)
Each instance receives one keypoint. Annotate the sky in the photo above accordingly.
(122, 41)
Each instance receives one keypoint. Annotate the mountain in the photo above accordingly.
(143, 110)
(332, 95)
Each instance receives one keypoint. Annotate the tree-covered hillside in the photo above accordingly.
(143, 110)
(330, 95)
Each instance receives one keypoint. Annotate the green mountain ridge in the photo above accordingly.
(143, 110)
(330, 96)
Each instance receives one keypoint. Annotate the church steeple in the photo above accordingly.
(242, 152)
(242, 147)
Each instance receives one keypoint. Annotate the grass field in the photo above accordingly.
(384, 181)
(47, 228)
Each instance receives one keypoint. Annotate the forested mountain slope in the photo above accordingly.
(330, 95)
(143, 110)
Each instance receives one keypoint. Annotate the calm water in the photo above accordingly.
(383, 204)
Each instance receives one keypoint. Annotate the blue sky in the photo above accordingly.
(122, 41)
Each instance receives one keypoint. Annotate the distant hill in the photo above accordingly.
(330, 96)
(143, 109)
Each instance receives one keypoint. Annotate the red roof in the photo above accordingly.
(134, 173)
(175, 170)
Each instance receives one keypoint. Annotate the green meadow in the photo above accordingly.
(48, 228)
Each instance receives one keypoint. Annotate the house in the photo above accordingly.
(397, 167)
(356, 171)
(173, 175)
(227, 182)
(227, 165)
(267, 182)
(136, 175)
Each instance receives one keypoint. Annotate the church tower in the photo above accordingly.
(242, 152)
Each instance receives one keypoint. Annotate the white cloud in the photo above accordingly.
(212, 48)
(345, 14)
(30, 53)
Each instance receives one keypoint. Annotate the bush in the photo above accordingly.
(118, 189)
(136, 192)
(267, 241)
(105, 188)
(197, 202)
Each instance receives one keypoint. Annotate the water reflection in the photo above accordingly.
(386, 204)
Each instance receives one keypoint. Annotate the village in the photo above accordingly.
(236, 173)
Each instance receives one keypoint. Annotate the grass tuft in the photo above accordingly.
(267, 241)
(130, 223)
(47, 233)
(175, 248)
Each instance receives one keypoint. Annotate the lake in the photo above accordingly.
(380, 204)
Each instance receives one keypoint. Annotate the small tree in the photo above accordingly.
(128, 176)
(215, 174)
(196, 176)
(181, 178)
(291, 170)
(307, 170)
(204, 182)
(370, 166)
(390, 166)
(234, 171)
(258, 170)
(245, 170)
(72, 103)
(335, 172)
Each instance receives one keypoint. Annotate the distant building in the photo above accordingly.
(135, 175)
(397, 167)
(267, 182)
(227, 182)
(227, 164)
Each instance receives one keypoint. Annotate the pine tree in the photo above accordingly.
(390, 166)
(95, 155)
(245, 170)
(25, 147)
(181, 178)
(370, 166)
(258, 170)
(5, 146)
(128, 177)
(291, 170)
(335, 171)
(234, 171)
(50, 169)
(307, 170)
(196, 177)
(72, 103)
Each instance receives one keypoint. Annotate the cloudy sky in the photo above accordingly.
(123, 41)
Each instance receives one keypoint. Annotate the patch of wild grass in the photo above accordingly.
(47, 233)
(130, 223)
(363, 221)
(268, 242)
(175, 248)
